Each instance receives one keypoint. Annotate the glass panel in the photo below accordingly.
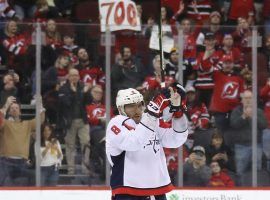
(17, 137)
(214, 63)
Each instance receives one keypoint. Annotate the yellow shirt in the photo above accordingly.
(15, 138)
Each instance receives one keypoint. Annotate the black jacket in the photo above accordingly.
(67, 101)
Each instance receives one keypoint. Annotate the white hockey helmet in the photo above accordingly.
(127, 96)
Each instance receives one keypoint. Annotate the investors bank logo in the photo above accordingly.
(174, 197)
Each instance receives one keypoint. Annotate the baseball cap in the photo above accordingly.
(174, 49)
(215, 13)
(209, 36)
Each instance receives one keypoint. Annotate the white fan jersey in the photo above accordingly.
(135, 152)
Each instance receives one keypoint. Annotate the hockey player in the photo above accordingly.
(135, 141)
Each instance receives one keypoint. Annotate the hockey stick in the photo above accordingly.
(162, 65)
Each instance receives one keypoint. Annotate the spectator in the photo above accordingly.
(226, 94)
(240, 9)
(242, 35)
(96, 114)
(73, 97)
(197, 111)
(54, 77)
(172, 161)
(190, 50)
(263, 64)
(127, 72)
(168, 20)
(51, 156)
(56, 74)
(219, 152)
(171, 67)
(228, 48)
(151, 84)
(45, 12)
(265, 95)
(25, 9)
(214, 27)
(69, 43)
(206, 63)
(15, 142)
(241, 123)
(89, 73)
(196, 172)
(53, 37)
(219, 178)
(10, 80)
(16, 45)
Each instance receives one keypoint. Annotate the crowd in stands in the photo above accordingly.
(216, 72)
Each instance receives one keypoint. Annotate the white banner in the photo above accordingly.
(119, 15)
(167, 39)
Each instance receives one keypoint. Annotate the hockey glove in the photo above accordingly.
(159, 103)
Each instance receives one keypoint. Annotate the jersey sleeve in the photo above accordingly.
(176, 135)
(125, 137)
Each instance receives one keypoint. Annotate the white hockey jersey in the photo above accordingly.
(135, 152)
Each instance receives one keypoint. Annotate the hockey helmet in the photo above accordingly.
(127, 96)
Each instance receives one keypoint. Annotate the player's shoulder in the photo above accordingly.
(121, 121)
(117, 120)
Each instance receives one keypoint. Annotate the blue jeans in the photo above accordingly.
(16, 172)
(49, 176)
(2, 172)
(266, 146)
(243, 158)
(131, 197)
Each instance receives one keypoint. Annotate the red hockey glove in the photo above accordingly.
(159, 103)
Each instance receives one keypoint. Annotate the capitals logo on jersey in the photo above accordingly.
(230, 90)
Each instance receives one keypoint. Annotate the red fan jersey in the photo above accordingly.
(93, 75)
(16, 45)
(204, 8)
(95, 112)
(237, 56)
(227, 90)
(199, 116)
(205, 68)
(240, 8)
(189, 47)
(221, 180)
